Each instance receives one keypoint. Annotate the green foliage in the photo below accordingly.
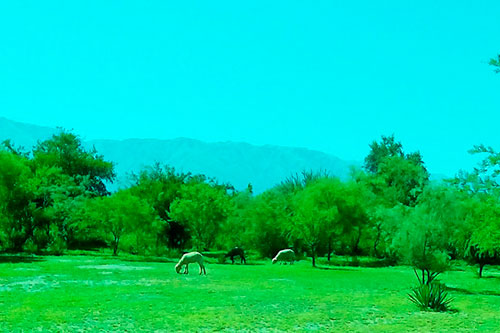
(266, 219)
(316, 216)
(299, 181)
(403, 180)
(16, 204)
(495, 63)
(431, 296)
(118, 215)
(402, 177)
(55, 198)
(480, 230)
(65, 151)
(160, 186)
(388, 147)
(427, 230)
(54, 193)
(203, 209)
(234, 229)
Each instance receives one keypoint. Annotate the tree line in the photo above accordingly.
(54, 198)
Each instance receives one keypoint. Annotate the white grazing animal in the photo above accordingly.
(190, 258)
(285, 255)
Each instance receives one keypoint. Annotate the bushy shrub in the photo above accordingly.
(432, 296)
(30, 247)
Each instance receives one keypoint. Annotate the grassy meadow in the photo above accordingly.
(89, 293)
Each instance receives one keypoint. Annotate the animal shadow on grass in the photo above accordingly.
(19, 259)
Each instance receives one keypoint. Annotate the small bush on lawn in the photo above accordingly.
(432, 296)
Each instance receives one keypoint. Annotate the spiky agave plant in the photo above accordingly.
(432, 296)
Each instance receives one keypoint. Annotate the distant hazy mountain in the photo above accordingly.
(236, 163)
(22, 134)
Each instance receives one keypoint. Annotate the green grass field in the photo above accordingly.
(84, 293)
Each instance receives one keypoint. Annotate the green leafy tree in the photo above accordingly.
(403, 180)
(424, 237)
(480, 232)
(16, 194)
(9, 146)
(377, 208)
(267, 218)
(402, 176)
(388, 147)
(36, 201)
(299, 181)
(316, 214)
(234, 229)
(483, 226)
(160, 186)
(87, 167)
(117, 215)
(203, 208)
(53, 195)
(353, 205)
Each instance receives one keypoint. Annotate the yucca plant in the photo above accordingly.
(432, 296)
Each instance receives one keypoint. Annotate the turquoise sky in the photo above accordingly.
(327, 75)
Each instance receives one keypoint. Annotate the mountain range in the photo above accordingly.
(229, 162)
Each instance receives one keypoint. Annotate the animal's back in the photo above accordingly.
(192, 257)
(237, 251)
(287, 254)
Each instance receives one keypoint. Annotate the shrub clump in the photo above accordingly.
(432, 296)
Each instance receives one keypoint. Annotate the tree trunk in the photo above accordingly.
(355, 247)
(115, 245)
(329, 248)
(313, 254)
(376, 242)
(481, 266)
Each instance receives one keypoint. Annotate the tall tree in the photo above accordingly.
(87, 167)
(397, 175)
(316, 214)
(16, 207)
(482, 240)
(266, 218)
(403, 181)
(235, 228)
(203, 208)
(420, 242)
(325, 210)
(117, 215)
(160, 186)
(388, 147)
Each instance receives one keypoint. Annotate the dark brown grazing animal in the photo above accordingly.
(237, 251)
